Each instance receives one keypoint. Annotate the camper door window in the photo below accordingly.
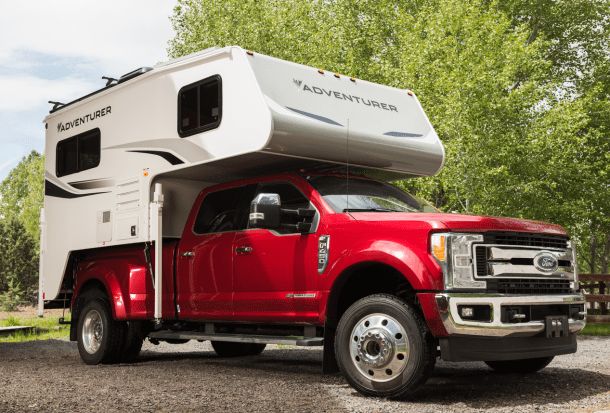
(78, 153)
(200, 106)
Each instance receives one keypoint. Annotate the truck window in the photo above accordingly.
(222, 211)
(290, 197)
(78, 153)
(200, 106)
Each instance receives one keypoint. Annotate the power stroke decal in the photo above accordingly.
(344, 96)
(64, 126)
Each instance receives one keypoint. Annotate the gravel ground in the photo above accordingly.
(49, 376)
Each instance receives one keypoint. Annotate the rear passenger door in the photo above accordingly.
(274, 271)
(204, 276)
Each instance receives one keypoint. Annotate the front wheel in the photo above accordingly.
(520, 366)
(383, 347)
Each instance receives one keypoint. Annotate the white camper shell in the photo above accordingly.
(214, 116)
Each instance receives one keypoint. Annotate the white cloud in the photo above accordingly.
(24, 92)
(58, 49)
(120, 34)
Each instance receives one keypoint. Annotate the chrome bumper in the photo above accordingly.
(447, 304)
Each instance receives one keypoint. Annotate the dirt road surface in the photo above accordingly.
(49, 376)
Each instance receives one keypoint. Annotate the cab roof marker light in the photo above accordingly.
(249, 53)
(410, 93)
(320, 71)
(353, 79)
(337, 75)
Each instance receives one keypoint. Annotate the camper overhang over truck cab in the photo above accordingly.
(242, 199)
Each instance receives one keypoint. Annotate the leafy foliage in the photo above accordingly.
(21, 193)
(517, 90)
(18, 265)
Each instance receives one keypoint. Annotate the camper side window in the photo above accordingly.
(200, 106)
(78, 153)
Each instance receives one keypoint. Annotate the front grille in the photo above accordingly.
(481, 259)
(528, 286)
(529, 240)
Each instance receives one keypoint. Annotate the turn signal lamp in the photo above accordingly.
(439, 246)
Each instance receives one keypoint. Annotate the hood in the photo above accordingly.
(463, 222)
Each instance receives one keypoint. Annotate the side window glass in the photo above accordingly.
(200, 106)
(290, 197)
(78, 153)
(223, 211)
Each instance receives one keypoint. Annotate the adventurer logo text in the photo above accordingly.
(64, 126)
(344, 96)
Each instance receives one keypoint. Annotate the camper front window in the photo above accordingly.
(199, 106)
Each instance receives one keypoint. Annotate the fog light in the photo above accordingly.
(467, 312)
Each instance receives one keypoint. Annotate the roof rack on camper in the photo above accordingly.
(110, 82)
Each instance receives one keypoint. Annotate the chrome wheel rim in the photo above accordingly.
(379, 348)
(93, 331)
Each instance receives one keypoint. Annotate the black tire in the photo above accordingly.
(231, 349)
(132, 342)
(520, 366)
(411, 366)
(109, 343)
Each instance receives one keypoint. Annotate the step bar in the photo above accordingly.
(238, 338)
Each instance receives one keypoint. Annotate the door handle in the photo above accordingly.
(243, 250)
(188, 254)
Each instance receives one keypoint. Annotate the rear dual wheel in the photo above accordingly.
(383, 347)
(100, 338)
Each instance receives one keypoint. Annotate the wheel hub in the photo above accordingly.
(375, 348)
(379, 347)
(93, 331)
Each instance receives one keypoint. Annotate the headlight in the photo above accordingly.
(453, 251)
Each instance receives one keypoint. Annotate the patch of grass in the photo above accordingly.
(45, 328)
(597, 329)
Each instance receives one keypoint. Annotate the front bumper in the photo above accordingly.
(455, 325)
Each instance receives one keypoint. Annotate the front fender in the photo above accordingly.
(418, 270)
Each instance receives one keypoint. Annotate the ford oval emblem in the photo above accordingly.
(546, 262)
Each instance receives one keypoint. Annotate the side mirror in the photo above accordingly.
(265, 211)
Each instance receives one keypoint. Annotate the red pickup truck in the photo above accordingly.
(383, 281)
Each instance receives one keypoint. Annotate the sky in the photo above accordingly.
(59, 50)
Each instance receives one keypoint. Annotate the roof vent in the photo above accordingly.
(134, 73)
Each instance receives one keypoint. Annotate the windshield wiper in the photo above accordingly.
(369, 210)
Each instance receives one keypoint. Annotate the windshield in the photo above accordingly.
(366, 195)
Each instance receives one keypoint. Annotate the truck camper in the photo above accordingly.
(238, 198)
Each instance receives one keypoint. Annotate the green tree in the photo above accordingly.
(517, 90)
(18, 264)
(21, 193)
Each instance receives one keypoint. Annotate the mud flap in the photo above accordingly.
(329, 361)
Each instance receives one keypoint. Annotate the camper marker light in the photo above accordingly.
(352, 79)
(249, 53)
(337, 75)
(409, 93)
(320, 71)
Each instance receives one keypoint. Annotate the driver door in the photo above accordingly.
(275, 271)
